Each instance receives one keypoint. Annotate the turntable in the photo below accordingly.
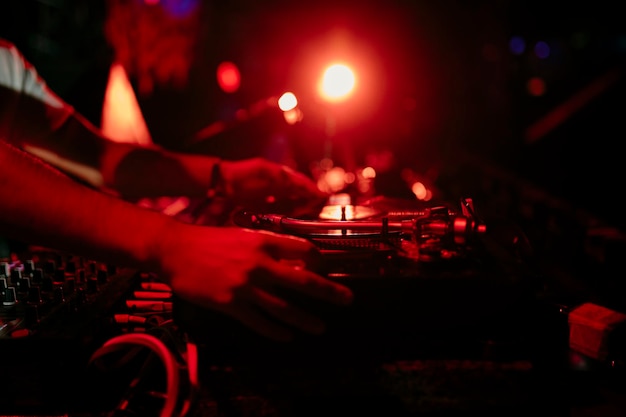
(428, 280)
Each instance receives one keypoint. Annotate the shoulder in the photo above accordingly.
(7, 45)
(13, 65)
(18, 74)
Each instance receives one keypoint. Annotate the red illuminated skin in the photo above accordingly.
(232, 270)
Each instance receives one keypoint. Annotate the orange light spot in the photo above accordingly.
(122, 120)
(293, 116)
(429, 195)
(335, 178)
(368, 173)
(419, 190)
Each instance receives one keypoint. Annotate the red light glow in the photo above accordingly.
(228, 77)
(333, 180)
(536, 87)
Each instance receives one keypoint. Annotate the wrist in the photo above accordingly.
(216, 183)
(220, 184)
(158, 242)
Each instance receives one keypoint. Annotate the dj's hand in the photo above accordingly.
(235, 270)
(266, 186)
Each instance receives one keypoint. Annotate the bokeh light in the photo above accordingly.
(517, 45)
(293, 116)
(337, 82)
(228, 77)
(536, 86)
(542, 50)
(287, 101)
(368, 173)
(419, 189)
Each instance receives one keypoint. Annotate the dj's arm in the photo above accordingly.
(35, 119)
(134, 171)
(131, 170)
(232, 270)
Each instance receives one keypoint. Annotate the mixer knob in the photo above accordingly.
(80, 275)
(70, 266)
(16, 275)
(34, 295)
(70, 285)
(47, 285)
(3, 284)
(59, 275)
(4, 269)
(24, 284)
(92, 285)
(59, 295)
(37, 275)
(81, 297)
(102, 276)
(31, 315)
(49, 266)
(10, 297)
(29, 267)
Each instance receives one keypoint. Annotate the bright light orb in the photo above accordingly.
(287, 101)
(337, 82)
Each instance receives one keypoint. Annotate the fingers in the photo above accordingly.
(287, 313)
(276, 273)
(279, 269)
(281, 246)
(299, 185)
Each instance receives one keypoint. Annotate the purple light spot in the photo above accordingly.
(542, 50)
(517, 45)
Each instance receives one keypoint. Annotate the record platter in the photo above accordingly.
(425, 278)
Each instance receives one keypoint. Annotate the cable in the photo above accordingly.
(191, 358)
(159, 348)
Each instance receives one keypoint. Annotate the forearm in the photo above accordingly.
(152, 171)
(77, 148)
(46, 208)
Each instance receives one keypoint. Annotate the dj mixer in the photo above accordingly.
(57, 312)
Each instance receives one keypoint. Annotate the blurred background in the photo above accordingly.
(517, 104)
